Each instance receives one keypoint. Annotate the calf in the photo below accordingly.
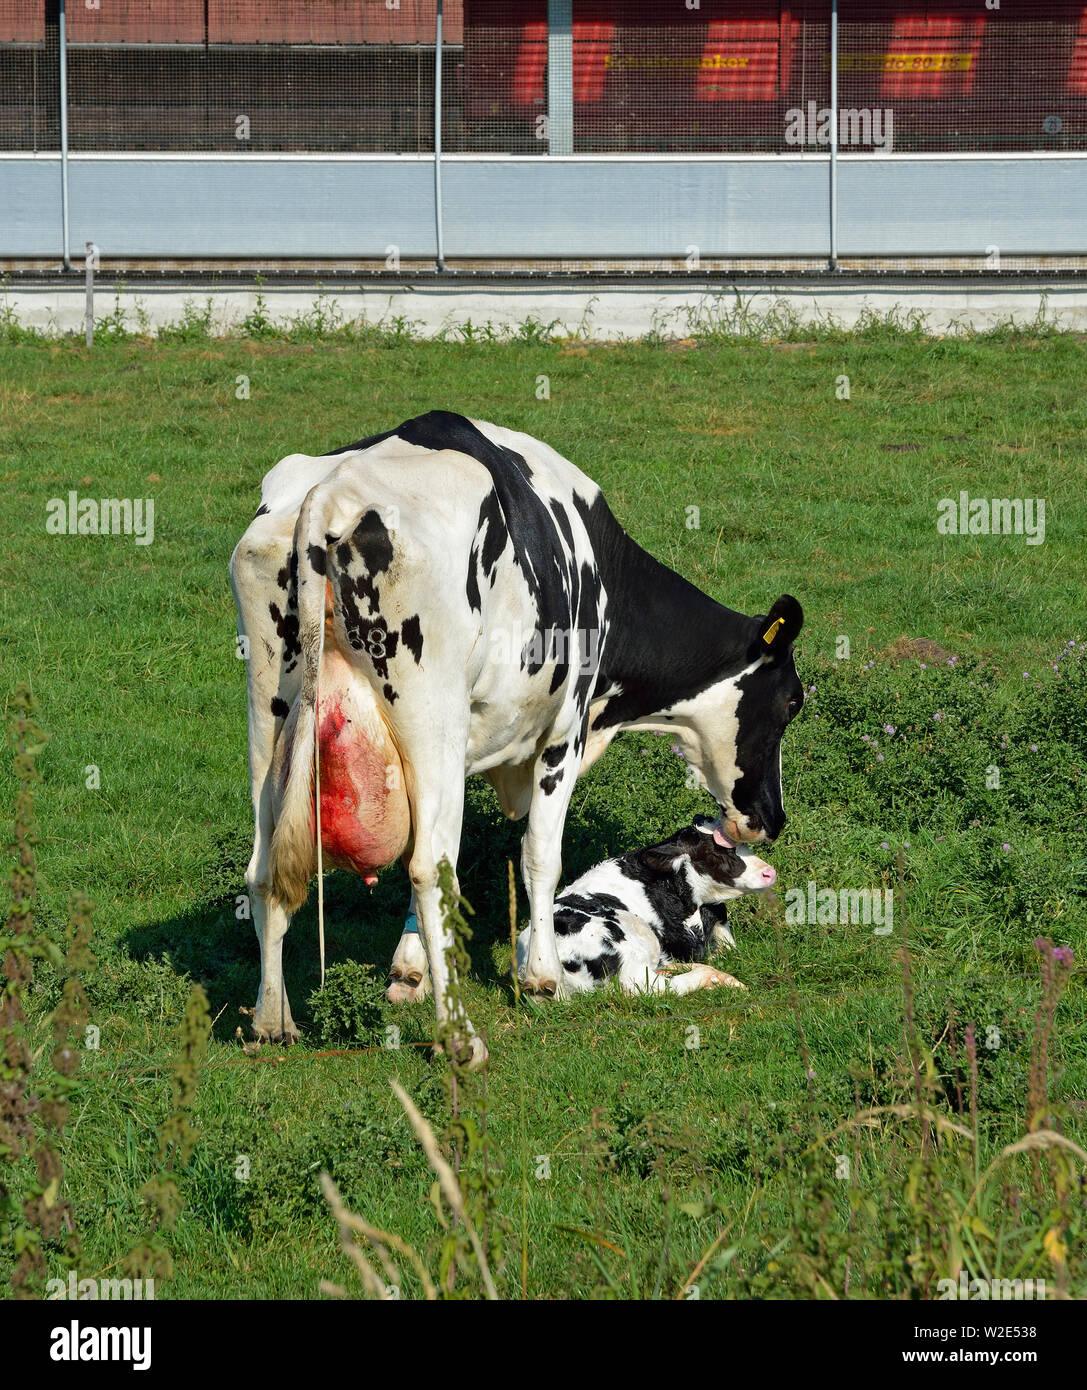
(629, 917)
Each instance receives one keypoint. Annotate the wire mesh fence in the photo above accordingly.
(607, 80)
(726, 76)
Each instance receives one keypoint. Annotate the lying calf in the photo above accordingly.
(629, 917)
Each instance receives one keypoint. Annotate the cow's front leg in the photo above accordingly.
(409, 972)
(541, 861)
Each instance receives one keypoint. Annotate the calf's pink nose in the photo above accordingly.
(768, 875)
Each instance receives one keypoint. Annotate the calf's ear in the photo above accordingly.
(781, 626)
(660, 858)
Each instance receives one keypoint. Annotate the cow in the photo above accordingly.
(630, 917)
(450, 597)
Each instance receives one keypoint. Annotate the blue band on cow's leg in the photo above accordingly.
(412, 924)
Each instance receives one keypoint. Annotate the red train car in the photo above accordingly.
(728, 75)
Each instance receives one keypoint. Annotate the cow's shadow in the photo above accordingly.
(218, 948)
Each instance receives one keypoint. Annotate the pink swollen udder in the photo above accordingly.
(360, 830)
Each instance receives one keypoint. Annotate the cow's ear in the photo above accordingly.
(781, 626)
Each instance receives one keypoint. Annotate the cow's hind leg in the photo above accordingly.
(258, 574)
(409, 972)
(272, 1020)
(434, 759)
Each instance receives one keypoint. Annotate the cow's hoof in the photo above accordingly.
(543, 986)
(470, 1052)
(407, 987)
(716, 978)
(282, 1031)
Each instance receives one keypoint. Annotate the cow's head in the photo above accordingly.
(730, 732)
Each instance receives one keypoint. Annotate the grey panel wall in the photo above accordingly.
(921, 206)
(535, 207)
(30, 207)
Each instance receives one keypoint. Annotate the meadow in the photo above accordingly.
(840, 1129)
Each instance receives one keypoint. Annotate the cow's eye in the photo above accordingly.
(792, 708)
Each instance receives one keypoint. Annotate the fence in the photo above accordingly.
(682, 130)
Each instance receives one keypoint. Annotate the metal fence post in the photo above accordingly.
(439, 247)
(560, 77)
(833, 264)
(63, 37)
(90, 265)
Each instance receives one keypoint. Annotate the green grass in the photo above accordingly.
(654, 1146)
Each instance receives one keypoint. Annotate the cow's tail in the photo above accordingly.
(296, 840)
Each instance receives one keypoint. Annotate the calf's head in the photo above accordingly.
(716, 869)
(730, 732)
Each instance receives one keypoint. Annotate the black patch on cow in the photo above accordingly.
(280, 708)
(551, 781)
(372, 636)
(554, 755)
(558, 511)
(530, 527)
(775, 690)
(367, 443)
(567, 921)
(588, 636)
(666, 640)
(495, 535)
(262, 510)
(373, 543)
(590, 904)
(411, 634)
(317, 558)
(287, 631)
(713, 915)
(603, 966)
(389, 693)
(669, 895)
(283, 578)
(489, 543)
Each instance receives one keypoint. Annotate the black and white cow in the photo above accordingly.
(449, 598)
(630, 917)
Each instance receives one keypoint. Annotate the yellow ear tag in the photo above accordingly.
(772, 631)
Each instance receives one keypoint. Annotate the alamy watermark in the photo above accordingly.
(863, 125)
(107, 516)
(89, 1290)
(997, 516)
(578, 647)
(980, 1290)
(870, 907)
